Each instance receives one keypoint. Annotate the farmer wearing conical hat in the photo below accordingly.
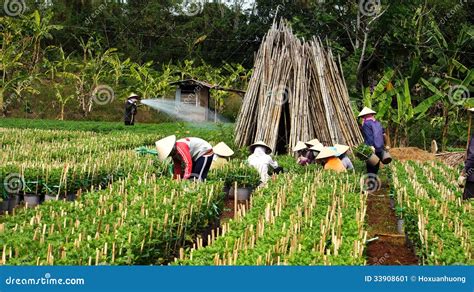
(192, 157)
(261, 160)
(222, 154)
(305, 156)
(373, 133)
(316, 149)
(342, 151)
(328, 158)
(312, 142)
(467, 176)
(131, 107)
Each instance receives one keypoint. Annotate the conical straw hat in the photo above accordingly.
(299, 146)
(133, 95)
(165, 146)
(341, 149)
(318, 147)
(366, 111)
(312, 142)
(223, 150)
(260, 143)
(327, 152)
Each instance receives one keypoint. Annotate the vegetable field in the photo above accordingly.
(128, 211)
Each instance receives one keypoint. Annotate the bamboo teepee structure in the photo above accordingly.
(296, 93)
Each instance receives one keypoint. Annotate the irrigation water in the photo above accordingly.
(182, 111)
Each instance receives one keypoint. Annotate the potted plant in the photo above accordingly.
(365, 153)
(241, 179)
(400, 222)
(31, 194)
(4, 201)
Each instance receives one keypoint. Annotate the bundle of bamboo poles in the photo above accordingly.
(452, 159)
(297, 93)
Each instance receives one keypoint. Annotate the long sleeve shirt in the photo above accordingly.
(373, 134)
(130, 111)
(469, 164)
(346, 161)
(189, 150)
(261, 161)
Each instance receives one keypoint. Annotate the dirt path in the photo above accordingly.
(390, 248)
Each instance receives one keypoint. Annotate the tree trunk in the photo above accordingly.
(2, 113)
(444, 136)
(62, 111)
(395, 138)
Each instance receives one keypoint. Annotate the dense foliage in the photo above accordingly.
(411, 61)
(437, 221)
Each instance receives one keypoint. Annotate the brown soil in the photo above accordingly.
(391, 247)
(229, 209)
(227, 214)
(411, 153)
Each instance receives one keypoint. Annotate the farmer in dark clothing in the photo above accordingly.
(373, 133)
(467, 175)
(131, 107)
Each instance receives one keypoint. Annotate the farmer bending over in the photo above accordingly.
(261, 160)
(328, 158)
(192, 157)
(342, 151)
(222, 154)
(305, 156)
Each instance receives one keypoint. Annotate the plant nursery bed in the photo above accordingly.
(391, 248)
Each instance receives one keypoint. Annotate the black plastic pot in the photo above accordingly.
(400, 227)
(4, 206)
(13, 202)
(31, 200)
(71, 197)
(243, 194)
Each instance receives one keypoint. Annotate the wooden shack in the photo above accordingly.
(198, 93)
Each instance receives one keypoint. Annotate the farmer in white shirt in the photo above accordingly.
(261, 160)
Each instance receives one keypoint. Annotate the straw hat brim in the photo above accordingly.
(326, 153)
(312, 142)
(261, 144)
(300, 146)
(133, 95)
(471, 109)
(165, 146)
(318, 147)
(223, 150)
(341, 149)
(367, 111)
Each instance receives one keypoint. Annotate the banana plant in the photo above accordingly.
(41, 28)
(448, 92)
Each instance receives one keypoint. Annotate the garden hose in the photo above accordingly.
(144, 151)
